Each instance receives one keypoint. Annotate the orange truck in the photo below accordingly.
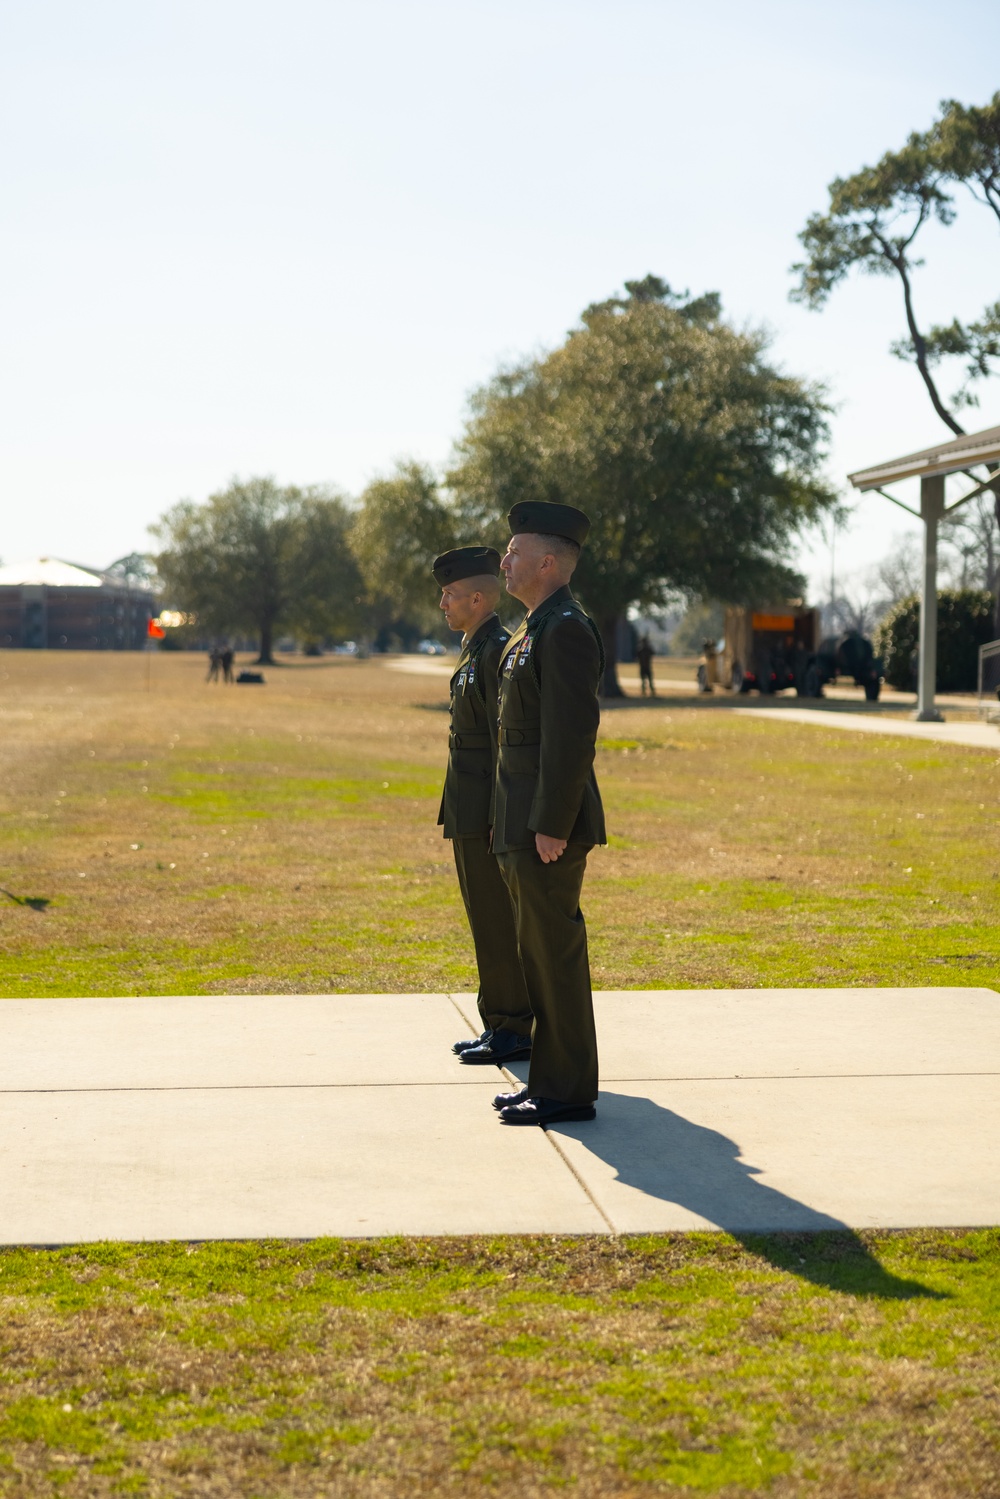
(773, 649)
(769, 649)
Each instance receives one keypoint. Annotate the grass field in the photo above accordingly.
(189, 838)
(195, 839)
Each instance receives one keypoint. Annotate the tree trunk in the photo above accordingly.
(266, 640)
(610, 687)
(920, 346)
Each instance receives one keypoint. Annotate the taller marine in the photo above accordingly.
(548, 813)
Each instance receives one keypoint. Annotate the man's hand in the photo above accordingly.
(548, 848)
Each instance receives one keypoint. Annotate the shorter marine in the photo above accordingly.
(470, 588)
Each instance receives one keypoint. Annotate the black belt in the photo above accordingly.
(531, 735)
(474, 739)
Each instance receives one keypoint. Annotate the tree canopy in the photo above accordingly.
(259, 557)
(402, 524)
(872, 225)
(695, 458)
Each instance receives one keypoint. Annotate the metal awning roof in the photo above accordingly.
(945, 458)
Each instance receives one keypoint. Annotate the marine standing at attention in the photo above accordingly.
(548, 812)
(470, 588)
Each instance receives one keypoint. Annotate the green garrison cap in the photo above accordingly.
(466, 562)
(546, 519)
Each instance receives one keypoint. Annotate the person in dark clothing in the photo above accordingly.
(214, 662)
(470, 588)
(547, 812)
(644, 656)
(226, 659)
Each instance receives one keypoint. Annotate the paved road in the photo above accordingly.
(295, 1116)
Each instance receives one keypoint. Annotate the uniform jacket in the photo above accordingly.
(549, 714)
(472, 743)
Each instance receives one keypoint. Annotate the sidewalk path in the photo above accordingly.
(303, 1115)
(973, 735)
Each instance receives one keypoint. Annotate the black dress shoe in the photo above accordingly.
(545, 1111)
(504, 1100)
(499, 1047)
(461, 1046)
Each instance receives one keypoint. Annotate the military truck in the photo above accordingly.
(774, 649)
(769, 650)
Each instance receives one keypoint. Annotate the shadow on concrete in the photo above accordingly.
(667, 1156)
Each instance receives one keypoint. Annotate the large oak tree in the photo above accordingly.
(696, 459)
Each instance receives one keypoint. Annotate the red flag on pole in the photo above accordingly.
(155, 631)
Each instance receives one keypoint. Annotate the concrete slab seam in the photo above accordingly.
(464, 1082)
(461, 1012)
(579, 1181)
(786, 1077)
(516, 1083)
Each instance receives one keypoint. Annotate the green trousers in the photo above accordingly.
(503, 998)
(552, 941)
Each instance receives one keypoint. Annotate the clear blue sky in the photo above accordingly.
(290, 238)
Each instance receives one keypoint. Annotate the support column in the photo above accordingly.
(931, 511)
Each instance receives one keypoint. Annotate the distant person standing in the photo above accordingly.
(227, 664)
(548, 807)
(708, 671)
(214, 662)
(644, 656)
(470, 587)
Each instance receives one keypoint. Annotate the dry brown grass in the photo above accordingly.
(195, 838)
(792, 1365)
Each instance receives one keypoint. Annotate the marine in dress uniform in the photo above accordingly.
(469, 580)
(548, 813)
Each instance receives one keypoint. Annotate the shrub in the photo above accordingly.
(965, 622)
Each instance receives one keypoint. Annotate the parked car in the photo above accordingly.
(430, 648)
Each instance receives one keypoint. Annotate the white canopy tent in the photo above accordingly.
(932, 466)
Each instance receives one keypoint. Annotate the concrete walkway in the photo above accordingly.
(304, 1115)
(973, 735)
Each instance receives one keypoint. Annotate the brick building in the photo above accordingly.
(53, 605)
